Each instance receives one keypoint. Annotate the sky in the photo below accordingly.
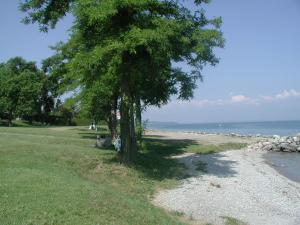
(257, 79)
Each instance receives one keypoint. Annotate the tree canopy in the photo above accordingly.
(131, 49)
(25, 91)
(21, 84)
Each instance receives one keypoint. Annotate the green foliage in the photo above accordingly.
(136, 39)
(21, 85)
(66, 112)
(130, 50)
(46, 13)
(96, 101)
(25, 91)
(139, 40)
(54, 68)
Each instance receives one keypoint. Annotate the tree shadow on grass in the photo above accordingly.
(161, 159)
(3, 123)
(22, 124)
(83, 129)
(166, 147)
(92, 135)
(155, 159)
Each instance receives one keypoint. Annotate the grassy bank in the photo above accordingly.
(56, 176)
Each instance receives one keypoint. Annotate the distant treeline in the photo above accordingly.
(32, 94)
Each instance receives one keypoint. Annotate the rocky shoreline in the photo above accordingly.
(274, 143)
(256, 142)
(277, 144)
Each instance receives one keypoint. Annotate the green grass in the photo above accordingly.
(233, 221)
(55, 176)
(173, 147)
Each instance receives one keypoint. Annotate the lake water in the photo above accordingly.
(287, 164)
(282, 128)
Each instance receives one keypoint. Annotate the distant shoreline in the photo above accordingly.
(221, 134)
(262, 121)
(267, 128)
(206, 133)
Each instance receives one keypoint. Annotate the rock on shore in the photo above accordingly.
(278, 144)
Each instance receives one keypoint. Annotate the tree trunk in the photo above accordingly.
(132, 128)
(128, 140)
(112, 125)
(113, 118)
(30, 120)
(138, 120)
(10, 124)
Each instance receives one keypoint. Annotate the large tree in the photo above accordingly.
(95, 97)
(21, 89)
(137, 44)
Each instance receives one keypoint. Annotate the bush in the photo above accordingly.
(82, 121)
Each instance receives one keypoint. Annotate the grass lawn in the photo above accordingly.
(54, 176)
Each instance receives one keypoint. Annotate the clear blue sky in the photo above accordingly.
(258, 77)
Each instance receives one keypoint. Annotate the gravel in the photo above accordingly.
(236, 184)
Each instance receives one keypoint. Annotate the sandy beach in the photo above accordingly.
(238, 184)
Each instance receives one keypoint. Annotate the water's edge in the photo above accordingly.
(287, 164)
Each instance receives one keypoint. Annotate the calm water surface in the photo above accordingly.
(287, 164)
(247, 128)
